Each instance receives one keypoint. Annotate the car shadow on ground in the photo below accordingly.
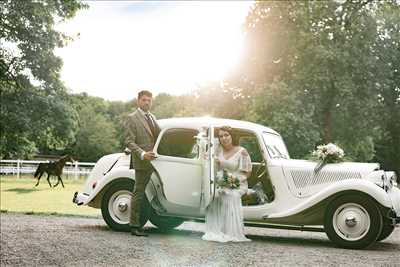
(312, 242)
(282, 240)
(296, 241)
(278, 240)
(385, 246)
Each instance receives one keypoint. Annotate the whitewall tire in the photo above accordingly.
(353, 221)
(116, 205)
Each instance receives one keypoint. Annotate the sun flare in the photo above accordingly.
(171, 49)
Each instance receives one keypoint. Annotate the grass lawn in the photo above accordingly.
(21, 195)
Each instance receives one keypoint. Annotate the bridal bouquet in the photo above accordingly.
(329, 153)
(228, 180)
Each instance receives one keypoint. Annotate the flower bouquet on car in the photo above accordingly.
(329, 153)
(227, 180)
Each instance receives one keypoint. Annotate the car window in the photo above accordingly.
(275, 146)
(178, 143)
(251, 145)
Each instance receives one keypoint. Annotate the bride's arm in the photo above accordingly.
(244, 165)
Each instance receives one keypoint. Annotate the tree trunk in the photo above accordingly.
(328, 126)
(327, 115)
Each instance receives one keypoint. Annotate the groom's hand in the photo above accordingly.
(149, 155)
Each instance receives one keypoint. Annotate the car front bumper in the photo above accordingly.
(394, 218)
(80, 198)
(394, 195)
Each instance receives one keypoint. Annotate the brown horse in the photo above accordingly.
(52, 168)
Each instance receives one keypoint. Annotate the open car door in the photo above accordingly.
(178, 174)
(185, 170)
(207, 145)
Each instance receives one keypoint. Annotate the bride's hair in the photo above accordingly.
(235, 139)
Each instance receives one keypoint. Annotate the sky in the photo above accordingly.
(123, 47)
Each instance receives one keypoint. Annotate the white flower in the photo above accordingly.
(330, 152)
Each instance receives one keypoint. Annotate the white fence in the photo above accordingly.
(18, 167)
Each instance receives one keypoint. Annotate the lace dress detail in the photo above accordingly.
(224, 215)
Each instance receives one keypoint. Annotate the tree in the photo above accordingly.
(96, 136)
(165, 106)
(28, 40)
(34, 106)
(388, 86)
(280, 108)
(99, 130)
(324, 54)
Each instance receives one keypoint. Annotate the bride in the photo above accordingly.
(224, 215)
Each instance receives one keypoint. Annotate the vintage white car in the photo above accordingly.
(356, 204)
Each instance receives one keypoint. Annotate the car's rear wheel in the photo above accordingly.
(165, 223)
(353, 221)
(116, 206)
(387, 230)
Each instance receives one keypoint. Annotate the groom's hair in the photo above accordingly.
(235, 139)
(144, 92)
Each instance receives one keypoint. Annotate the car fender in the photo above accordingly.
(111, 176)
(364, 186)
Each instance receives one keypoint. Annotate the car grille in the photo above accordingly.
(303, 178)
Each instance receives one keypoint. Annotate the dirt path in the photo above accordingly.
(67, 241)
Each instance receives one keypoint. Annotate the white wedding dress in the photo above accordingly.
(224, 215)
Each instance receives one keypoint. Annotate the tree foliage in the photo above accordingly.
(388, 86)
(35, 112)
(97, 133)
(324, 55)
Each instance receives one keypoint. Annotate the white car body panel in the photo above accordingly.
(354, 185)
(304, 182)
(184, 175)
(102, 175)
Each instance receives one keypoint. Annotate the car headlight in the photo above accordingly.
(389, 180)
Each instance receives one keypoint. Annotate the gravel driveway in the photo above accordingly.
(69, 241)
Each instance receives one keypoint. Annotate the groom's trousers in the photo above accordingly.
(142, 179)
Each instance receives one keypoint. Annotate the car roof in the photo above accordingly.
(198, 122)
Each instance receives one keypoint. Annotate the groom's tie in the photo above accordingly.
(151, 124)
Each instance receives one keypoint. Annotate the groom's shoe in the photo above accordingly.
(138, 232)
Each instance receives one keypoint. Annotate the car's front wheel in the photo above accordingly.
(353, 221)
(116, 206)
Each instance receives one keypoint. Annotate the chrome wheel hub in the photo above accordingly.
(351, 221)
(119, 206)
(122, 206)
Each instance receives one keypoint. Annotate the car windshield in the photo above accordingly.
(275, 146)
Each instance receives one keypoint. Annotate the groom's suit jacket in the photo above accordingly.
(139, 138)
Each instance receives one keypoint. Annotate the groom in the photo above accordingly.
(142, 131)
